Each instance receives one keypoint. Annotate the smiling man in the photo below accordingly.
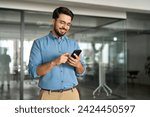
(50, 60)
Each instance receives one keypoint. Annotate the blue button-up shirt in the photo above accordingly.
(47, 48)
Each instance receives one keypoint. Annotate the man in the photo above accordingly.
(5, 70)
(50, 59)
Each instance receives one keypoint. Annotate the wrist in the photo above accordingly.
(78, 65)
(53, 63)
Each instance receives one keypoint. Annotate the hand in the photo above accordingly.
(62, 59)
(74, 62)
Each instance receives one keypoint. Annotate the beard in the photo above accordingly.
(59, 32)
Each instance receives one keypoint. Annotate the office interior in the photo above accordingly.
(115, 51)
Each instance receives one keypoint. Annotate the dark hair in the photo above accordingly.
(62, 10)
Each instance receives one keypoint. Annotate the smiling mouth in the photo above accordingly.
(62, 31)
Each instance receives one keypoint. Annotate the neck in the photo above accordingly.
(54, 33)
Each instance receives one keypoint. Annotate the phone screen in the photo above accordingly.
(77, 52)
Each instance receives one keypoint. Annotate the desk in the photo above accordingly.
(132, 74)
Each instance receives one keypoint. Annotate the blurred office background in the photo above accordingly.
(114, 41)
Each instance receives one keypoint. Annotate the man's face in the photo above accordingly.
(61, 25)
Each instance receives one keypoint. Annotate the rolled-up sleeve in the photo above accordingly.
(35, 59)
(83, 73)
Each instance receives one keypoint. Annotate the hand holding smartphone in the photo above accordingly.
(77, 52)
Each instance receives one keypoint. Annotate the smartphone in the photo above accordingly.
(77, 52)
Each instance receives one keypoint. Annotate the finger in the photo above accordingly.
(66, 54)
(72, 64)
(70, 60)
(66, 57)
(70, 57)
(77, 57)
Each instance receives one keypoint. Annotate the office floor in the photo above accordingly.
(31, 90)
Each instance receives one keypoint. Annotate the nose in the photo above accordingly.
(65, 26)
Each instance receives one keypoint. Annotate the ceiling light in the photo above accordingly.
(115, 39)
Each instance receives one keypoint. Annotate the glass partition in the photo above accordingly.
(9, 54)
(104, 50)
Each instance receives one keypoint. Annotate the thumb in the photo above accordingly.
(66, 54)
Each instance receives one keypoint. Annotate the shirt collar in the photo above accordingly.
(54, 37)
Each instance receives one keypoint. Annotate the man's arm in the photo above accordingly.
(44, 68)
(79, 68)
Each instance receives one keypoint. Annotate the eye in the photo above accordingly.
(62, 22)
(69, 24)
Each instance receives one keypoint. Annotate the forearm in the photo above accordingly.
(79, 68)
(44, 68)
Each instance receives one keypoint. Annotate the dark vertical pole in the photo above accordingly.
(21, 55)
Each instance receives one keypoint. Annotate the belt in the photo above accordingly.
(60, 90)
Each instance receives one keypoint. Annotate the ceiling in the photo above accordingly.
(87, 27)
